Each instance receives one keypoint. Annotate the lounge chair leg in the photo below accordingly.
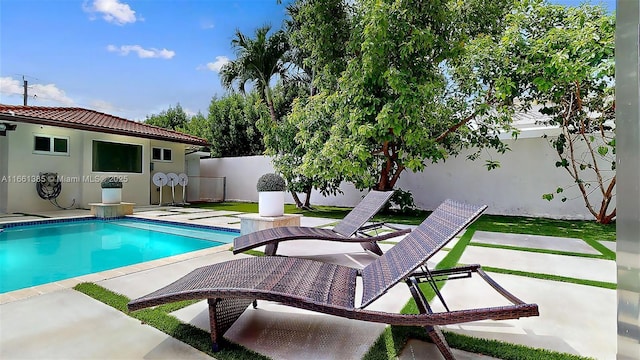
(222, 314)
(423, 306)
(372, 246)
(438, 339)
(271, 249)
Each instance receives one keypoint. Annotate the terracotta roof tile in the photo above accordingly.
(91, 120)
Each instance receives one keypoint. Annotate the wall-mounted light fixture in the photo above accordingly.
(4, 127)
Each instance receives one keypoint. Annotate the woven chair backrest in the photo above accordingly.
(363, 212)
(417, 247)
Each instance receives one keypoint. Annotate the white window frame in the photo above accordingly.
(52, 139)
(161, 154)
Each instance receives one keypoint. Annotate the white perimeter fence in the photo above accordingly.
(515, 188)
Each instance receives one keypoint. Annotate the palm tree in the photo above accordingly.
(257, 60)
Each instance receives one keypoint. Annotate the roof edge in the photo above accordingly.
(8, 116)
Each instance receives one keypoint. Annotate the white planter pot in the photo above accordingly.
(111, 196)
(271, 203)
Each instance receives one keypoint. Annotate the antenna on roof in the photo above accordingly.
(25, 91)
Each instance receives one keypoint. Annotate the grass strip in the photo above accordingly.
(387, 242)
(581, 229)
(587, 230)
(504, 350)
(541, 251)
(608, 254)
(394, 339)
(254, 252)
(600, 284)
(497, 349)
(159, 318)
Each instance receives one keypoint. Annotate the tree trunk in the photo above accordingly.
(296, 199)
(389, 177)
(602, 217)
(307, 201)
(269, 101)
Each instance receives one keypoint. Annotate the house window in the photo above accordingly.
(161, 154)
(116, 157)
(51, 145)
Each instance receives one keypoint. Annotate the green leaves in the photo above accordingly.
(491, 164)
(233, 125)
(603, 150)
(257, 60)
(172, 118)
(396, 105)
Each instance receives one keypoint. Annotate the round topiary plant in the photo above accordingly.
(111, 183)
(271, 182)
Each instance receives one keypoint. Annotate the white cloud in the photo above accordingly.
(206, 25)
(10, 86)
(216, 65)
(189, 112)
(142, 52)
(102, 106)
(37, 92)
(112, 11)
(51, 92)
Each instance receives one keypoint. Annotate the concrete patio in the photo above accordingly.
(54, 321)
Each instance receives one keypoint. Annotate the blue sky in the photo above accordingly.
(129, 58)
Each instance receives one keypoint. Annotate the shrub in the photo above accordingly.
(402, 202)
(271, 182)
(111, 183)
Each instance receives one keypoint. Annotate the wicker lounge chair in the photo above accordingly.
(232, 286)
(352, 224)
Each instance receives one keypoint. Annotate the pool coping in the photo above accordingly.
(128, 217)
(25, 293)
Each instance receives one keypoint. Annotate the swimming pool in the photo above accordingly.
(36, 254)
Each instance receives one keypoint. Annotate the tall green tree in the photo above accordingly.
(233, 122)
(172, 118)
(258, 60)
(319, 32)
(560, 61)
(198, 125)
(396, 107)
(287, 151)
(312, 69)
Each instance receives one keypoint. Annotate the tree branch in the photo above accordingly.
(455, 127)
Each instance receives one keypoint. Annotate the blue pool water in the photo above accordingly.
(37, 254)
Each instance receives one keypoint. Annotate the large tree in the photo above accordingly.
(287, 151)
(172, 118)
(258, 60)
(233, 122)
(396, 106)
(313, 67)
(560, 61)
(319, 32)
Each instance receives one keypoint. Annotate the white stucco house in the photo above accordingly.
(83, 147)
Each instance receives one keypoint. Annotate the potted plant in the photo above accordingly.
(271, 189)
(111, 190)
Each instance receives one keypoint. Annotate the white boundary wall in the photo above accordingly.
(515, 188)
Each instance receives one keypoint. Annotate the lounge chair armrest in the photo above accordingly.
(377, 226)
(396, 232)
(452, 317)
(465, 272)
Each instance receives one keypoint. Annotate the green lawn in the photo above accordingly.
(587, 230)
